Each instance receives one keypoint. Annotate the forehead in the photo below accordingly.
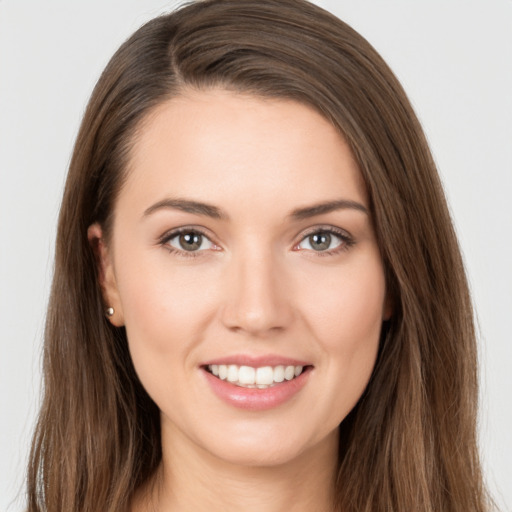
(222, 146)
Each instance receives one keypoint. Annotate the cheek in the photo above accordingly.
(165, 308)
(163, 314)
(345, 308)
(346, 321)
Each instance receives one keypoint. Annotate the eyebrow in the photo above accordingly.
(327, 207)
(188, 206)
(200, 208)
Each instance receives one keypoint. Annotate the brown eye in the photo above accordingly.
(190, 241)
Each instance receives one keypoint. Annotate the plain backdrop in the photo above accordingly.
(454, 58)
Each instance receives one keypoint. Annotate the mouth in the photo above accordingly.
(256, 383)
(261, 377)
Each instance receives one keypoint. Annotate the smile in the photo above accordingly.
(256, 383)
(250, 377)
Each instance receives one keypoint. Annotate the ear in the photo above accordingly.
(106, 274)
(387, 310)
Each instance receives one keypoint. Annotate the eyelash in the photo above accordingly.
(167, 237)
(346, 241)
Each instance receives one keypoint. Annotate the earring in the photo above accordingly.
(109, 312)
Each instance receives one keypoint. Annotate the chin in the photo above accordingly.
(268, 446)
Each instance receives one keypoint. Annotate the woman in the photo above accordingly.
(259, 301)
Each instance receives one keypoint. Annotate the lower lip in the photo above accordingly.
(254, 399)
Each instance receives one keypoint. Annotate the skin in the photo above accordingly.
(256, 286)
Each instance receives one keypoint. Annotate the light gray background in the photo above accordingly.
(454, 59)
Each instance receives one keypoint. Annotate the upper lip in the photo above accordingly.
(256, 361)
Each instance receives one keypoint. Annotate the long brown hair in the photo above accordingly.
(410, 443)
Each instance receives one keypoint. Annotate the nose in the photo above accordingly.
(257, 296)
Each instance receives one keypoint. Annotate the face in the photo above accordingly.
(244, 266)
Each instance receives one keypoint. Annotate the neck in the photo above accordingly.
(190, 478)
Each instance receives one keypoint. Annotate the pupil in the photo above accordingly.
(320, 241)
(190, 241)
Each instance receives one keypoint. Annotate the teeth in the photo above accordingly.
(279, 374)
(223, 371)
(289, 372)
(261, 378)
(246, 375)
(265, 375)
(232, 373)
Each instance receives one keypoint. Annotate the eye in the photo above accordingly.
(189, 241)
(324, 240)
